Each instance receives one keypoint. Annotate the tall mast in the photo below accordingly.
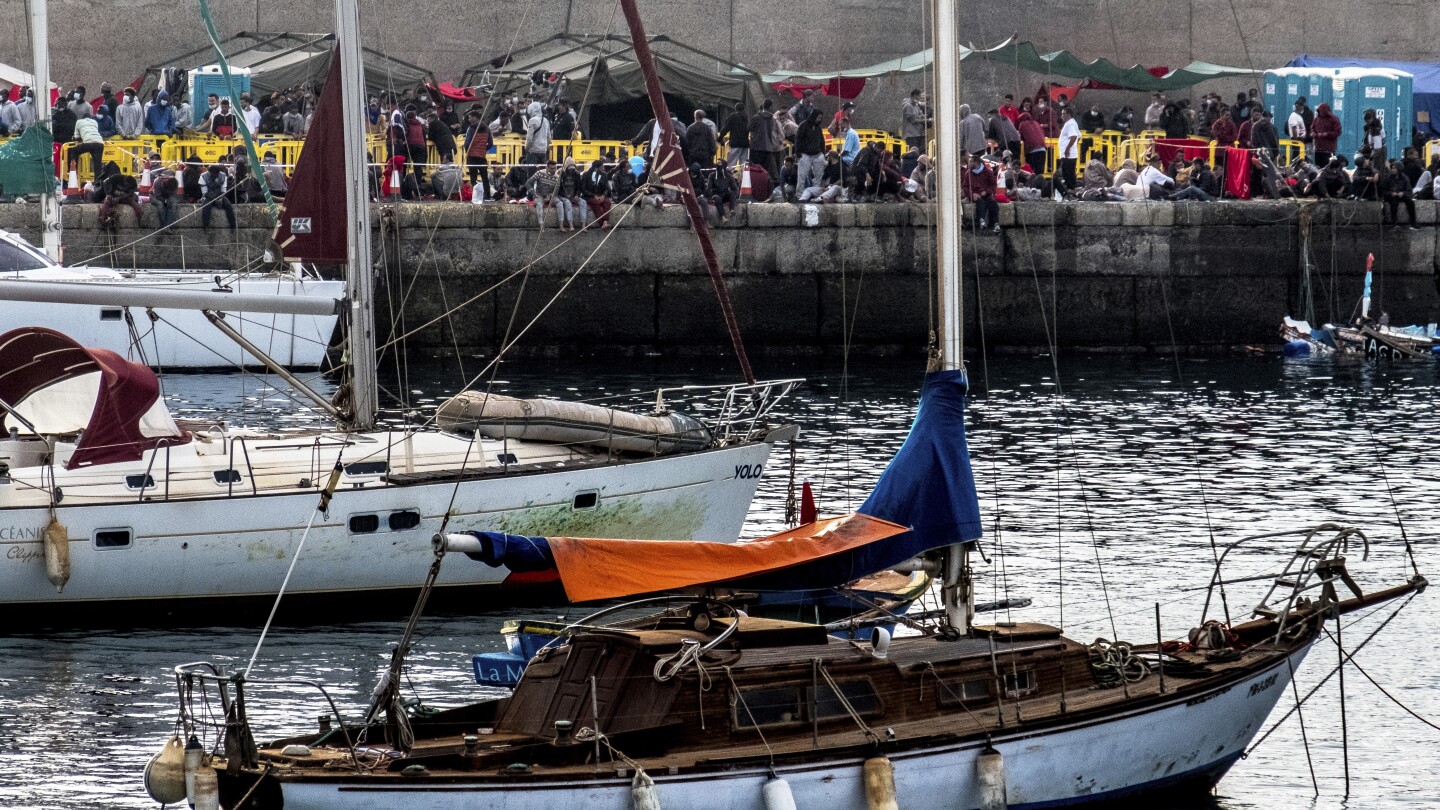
(947, 209)
(40, 49)
(364, 387)
(667, 166)
(955, 588)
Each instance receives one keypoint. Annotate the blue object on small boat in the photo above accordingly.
(498, 668)
(1297, 348)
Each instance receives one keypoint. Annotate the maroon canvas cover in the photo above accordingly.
(312, 226)
(33, 358)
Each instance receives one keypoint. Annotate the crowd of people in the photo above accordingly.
(779, 153)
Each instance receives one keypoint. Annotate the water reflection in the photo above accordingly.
(1125, 467)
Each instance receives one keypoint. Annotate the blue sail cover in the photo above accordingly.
(928, 488)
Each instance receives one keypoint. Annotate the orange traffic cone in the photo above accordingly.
(395, 183)
(746, 194)
(145, 181)
(72, 182)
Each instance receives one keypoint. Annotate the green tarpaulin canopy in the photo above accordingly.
(1026, 56)
(26, 165)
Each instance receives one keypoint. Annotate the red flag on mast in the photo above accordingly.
(312, 226)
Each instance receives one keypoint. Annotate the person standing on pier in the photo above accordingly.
(914, 117)
(1069, 148)
(767, 142)
(736, 135)
(1326, 132)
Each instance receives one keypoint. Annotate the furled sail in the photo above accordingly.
(592, 569)
(924, 500)
(312, 226)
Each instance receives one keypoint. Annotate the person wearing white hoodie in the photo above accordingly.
(10, 116)
(130, 117)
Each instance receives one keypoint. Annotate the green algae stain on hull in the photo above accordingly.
(623, 518)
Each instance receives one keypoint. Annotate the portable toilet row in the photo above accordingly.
(1349, 92)
(208, 79)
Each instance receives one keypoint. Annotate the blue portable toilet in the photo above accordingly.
(208, 79)
(1284, 85)
(1389, 92)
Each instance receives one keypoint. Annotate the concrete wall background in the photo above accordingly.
(1103, 275)
(93, 40)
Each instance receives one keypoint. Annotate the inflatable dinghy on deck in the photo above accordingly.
(574, 423)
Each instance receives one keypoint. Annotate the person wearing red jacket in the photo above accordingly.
(1325, 129)
(1032, 139)
(977, 185)
(1009, 110)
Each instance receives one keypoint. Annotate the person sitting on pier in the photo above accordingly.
(214, 184)
(724, 191)
(1156, 184)
(542, 185)
(594, 188)
(569, 207)
(1428, 184)
(1365, 181)
(446, 180)
(1397, 192)
(119, 189)
(977, 186)
(1096, 181)
(1331, 183)
(165, 193)
(1195, 182)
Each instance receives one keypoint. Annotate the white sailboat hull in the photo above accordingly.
(184, 339)
(1188, 742)
(234, 544)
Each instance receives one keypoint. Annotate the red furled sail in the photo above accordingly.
(312, 226)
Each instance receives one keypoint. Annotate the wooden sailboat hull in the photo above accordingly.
(1176, 746)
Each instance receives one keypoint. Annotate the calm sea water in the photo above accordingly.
(1118, 471)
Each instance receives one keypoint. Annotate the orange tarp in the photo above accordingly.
(592, 569)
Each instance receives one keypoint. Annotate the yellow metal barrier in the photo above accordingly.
(1289, 151)
(1432, 151)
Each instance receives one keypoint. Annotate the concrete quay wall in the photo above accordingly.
(1111, 276)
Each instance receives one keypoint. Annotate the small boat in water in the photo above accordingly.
(1366, 337)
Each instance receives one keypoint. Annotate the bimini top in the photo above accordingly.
(61, 387)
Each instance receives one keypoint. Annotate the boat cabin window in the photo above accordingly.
(111, 314)
(860, 694)
(14, 258)
(1020, 683)
(506, 459)
(146, 481)
(224, 477)
(367, 468)
(779, 706)
(364, 524)
(404, 520)
(586, 500)
(769, 707)
(964, 692)
(112, 538)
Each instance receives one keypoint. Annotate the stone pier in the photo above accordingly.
(1109, 276)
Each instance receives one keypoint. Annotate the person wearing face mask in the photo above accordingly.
(107, 98)
(160, 119)
(9, 116)
(25, 107)
(77, 101)
(977, 186)
(1093, 121)
(1044, 115)
(374, 118)
(130, 118)
(62, 121)
(212, 106)
(222, 123)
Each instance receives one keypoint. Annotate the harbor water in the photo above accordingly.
(1106, 489)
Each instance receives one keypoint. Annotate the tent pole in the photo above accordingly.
(667, 166)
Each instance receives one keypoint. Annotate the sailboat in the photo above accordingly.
(174, 339)
(111, 510)
(706, 706)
